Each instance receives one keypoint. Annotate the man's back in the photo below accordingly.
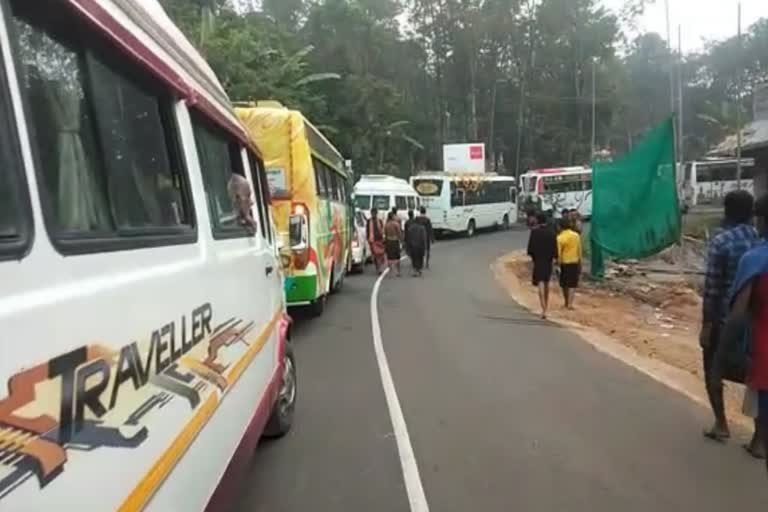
(416, 235)
(542, 244)
(569, 247)
(723, 255)
(424, 221)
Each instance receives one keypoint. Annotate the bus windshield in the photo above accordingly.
(428, 188)
(363, 201)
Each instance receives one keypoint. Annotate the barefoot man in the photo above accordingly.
(542, 248)
(569, 257)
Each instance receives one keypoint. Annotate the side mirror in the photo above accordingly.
(298, 232)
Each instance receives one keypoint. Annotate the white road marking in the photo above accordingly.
(413, 486)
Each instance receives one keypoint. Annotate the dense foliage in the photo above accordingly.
(390, 81)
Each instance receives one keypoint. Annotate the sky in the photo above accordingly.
(701, 20)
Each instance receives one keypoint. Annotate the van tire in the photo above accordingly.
(471, 228)
(317, 306)
(281, 418)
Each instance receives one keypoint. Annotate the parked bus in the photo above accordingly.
(554, 190)
(144, 328)
(463, 203)
(311, 201)
(384, 192)
(707, 182)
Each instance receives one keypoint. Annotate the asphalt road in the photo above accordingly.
(505, 412)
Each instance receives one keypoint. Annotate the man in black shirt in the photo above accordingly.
(424, 220)
(542, 248)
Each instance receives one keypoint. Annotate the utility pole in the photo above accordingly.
(594, 110)
(680, 133)
(739, 87)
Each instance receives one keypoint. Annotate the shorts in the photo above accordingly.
(393, 250)
(542, 272)
(569, 275)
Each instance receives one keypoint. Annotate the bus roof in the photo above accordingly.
(440, 175)
(749, 162)
(144, 31)
(275, 111)
(371, 183)
(560, 170)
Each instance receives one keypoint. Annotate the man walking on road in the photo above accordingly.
(749, 301)
(424, 220)
(569, 257)
(725, 251)
(542, 248)
(415, 243)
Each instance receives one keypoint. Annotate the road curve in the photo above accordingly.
(505, 412)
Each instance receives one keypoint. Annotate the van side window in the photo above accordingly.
(400, 203)
(262, 204)
(219, 158)
(15, 216)
(411, 203)
(105, 141)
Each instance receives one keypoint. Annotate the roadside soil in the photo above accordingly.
(654, 320)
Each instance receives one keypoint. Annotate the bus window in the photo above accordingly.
(381, 203)
(400, 203)
(105, 141)
(363, 201)
(411, 203)
(219, 159)
(334, 189)
(13, 220)
(322, 186)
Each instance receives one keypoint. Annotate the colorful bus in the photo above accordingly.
(311, 201)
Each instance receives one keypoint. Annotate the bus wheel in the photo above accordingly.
(505, 222)
(317, 306)
(471, 228)
(281, 418)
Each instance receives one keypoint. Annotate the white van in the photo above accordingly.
(383, 192)
(144, 334)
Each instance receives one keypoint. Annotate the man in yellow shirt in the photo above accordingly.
(569, 257)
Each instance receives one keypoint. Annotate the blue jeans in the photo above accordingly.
(763, 406)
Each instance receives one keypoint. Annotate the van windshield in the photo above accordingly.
(363, 201)
(381, 203)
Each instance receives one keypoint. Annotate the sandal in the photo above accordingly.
(753, 453)
(716, 435)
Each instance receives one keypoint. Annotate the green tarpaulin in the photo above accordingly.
(635, 210)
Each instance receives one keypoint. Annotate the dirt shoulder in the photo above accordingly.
(650, 325)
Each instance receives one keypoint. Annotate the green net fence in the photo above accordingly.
(635, 210)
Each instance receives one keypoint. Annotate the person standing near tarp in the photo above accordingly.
(542, 248)
(749, 306)
(723, 255)
(569, 257)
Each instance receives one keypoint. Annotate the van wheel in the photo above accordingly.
(317, 306)
(281, 418)
(505, 222)
(471, 228)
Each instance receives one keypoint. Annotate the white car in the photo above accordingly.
(360, 249)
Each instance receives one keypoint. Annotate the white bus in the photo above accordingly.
(144, 331)
(557, 189)
(384, 192)
(707, 182)
(463, 203)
